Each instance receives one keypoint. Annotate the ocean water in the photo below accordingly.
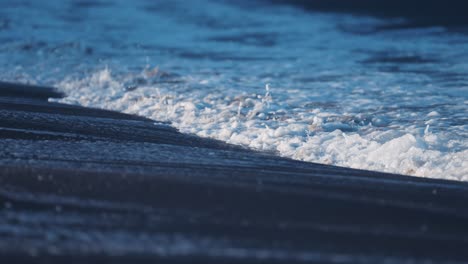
(319, 87)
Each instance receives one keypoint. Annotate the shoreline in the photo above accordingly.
(72, 178)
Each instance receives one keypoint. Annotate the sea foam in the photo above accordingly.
(258, 122)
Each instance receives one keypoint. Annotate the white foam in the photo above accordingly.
(258, 122)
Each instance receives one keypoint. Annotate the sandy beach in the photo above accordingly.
(81, 185)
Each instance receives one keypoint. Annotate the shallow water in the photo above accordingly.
(339, 91)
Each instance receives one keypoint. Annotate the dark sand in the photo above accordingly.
(82, 185)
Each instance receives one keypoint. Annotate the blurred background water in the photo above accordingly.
(359, 91)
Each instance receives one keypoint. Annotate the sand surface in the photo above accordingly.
(80, 185)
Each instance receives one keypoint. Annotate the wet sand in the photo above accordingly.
(80, 185)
